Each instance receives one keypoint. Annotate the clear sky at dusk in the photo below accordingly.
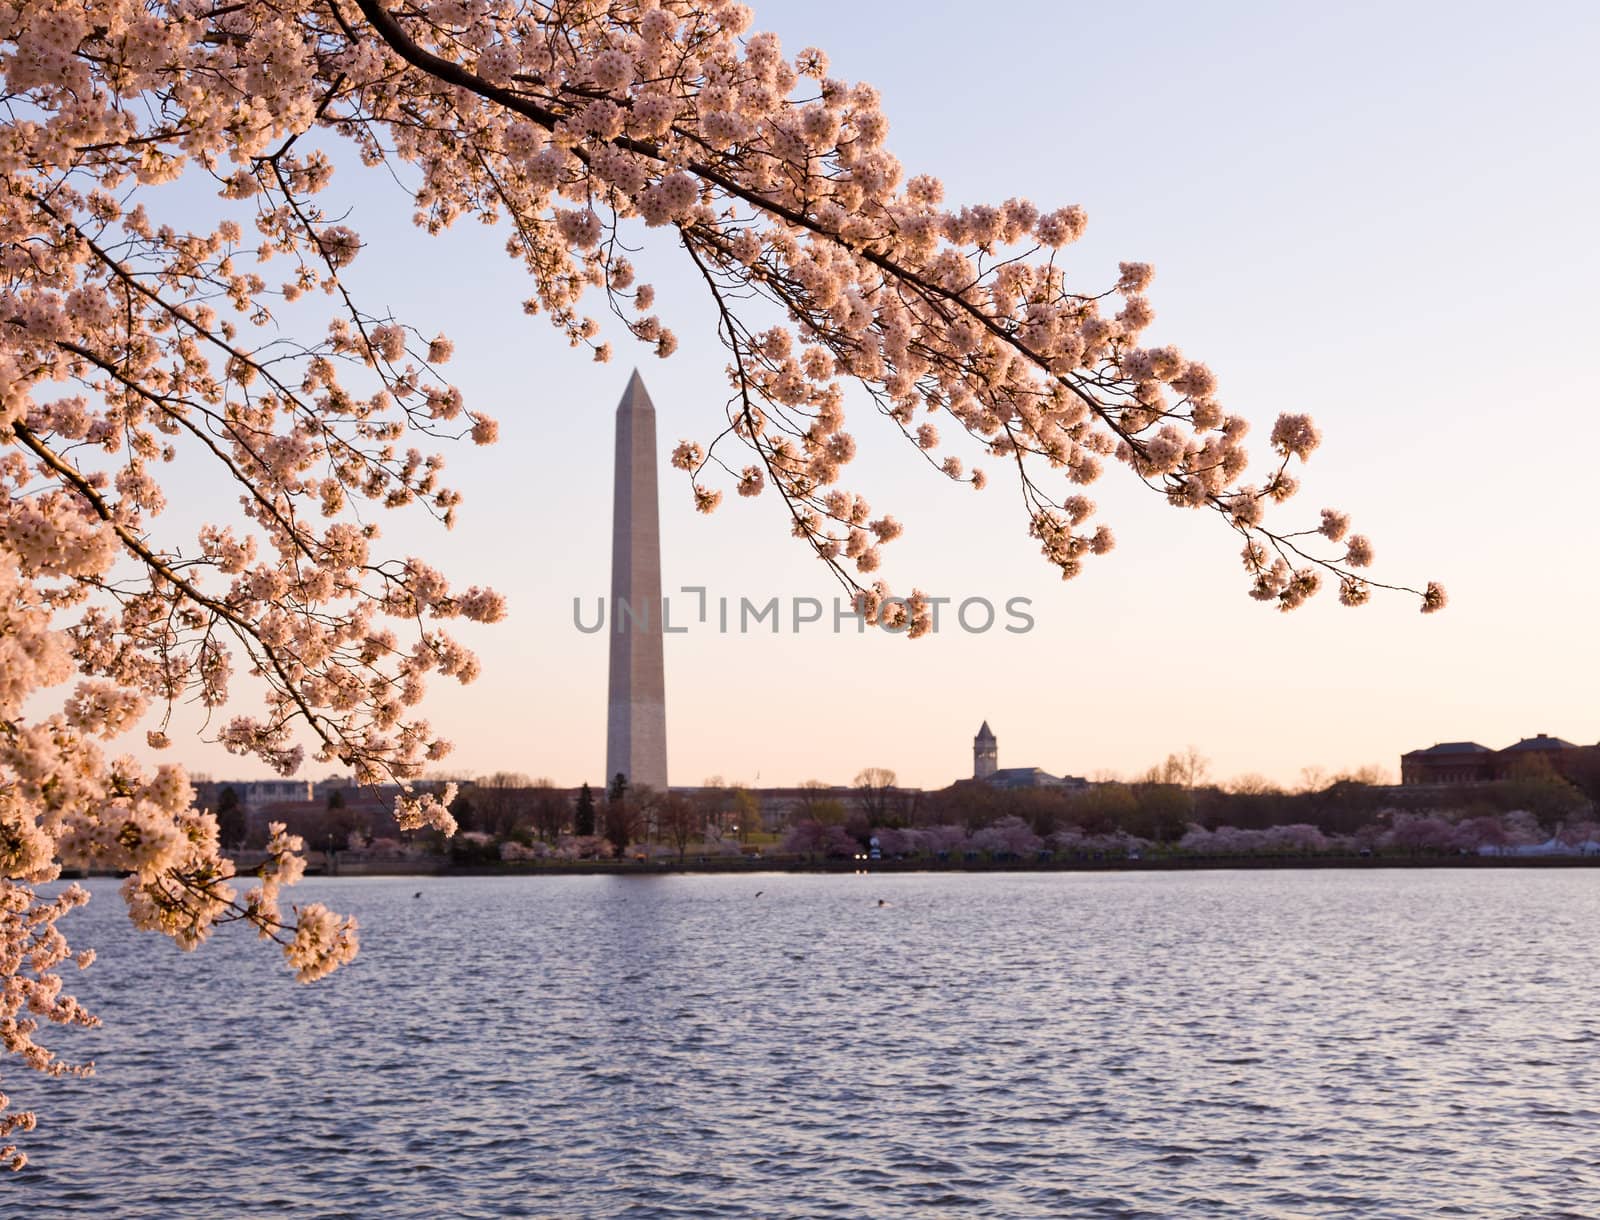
(1377, 214)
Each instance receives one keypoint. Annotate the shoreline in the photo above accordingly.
(317, 866)
(772, 864)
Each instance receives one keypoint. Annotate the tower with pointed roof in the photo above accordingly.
(636, 712)
(985, 753)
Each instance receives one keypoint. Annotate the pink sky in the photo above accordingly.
(1354, 227)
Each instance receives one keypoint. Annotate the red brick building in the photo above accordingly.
(1467, 762)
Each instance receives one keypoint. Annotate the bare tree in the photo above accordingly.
(1194, 767)
(714, 801)
(813, 793)
(1373, 775)
(681, 820)
(549, 810)
(873, 788)
(500, 801)
(1252, 784)
(728, 807)
(1187, 769)
(627, 814)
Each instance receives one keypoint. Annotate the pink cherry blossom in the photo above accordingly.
(128, 343)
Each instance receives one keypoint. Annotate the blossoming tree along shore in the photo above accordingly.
(127, 344)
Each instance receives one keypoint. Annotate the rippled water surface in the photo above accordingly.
(1390, 1044)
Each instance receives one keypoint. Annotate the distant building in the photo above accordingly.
(305, 806)
(268, 791)
(1555, 755)
(985, 753)
(1034, 777)
(986, 766)
(1467, 762)
(781, 807)
(1449, 762)
(773, 809)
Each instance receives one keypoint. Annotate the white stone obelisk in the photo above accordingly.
(636, 715)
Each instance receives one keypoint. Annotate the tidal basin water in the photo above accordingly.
(1285, 1044)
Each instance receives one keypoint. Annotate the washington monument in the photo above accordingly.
(636, 714)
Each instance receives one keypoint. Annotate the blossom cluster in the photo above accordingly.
(776, 179)
(130, 347)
